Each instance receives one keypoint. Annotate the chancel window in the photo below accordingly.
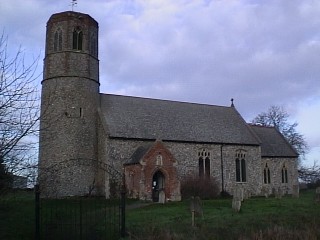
(266, 175)
(241, 168)
(284, 174)
(77, 39)
(57, 42)
(204, 163)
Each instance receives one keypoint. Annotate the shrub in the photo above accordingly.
(314, 184)
(205, 188)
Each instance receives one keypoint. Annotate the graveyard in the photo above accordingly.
(284, 217)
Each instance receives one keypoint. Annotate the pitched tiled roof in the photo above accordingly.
(273, 144)
(138, 154)
(143, 118)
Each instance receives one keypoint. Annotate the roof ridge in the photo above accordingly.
(166, 100)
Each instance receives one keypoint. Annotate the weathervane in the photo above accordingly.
(73, 4)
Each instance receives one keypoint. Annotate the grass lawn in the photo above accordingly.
(259, 218)
(17, 214)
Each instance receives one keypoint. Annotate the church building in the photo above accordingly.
(90, 141)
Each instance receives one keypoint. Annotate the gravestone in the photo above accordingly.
(246, 194)
(236, 205)
(295, 191)
(195, 208)
(162, 197)
(238, 194)
(237, 199)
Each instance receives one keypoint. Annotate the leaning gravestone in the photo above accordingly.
(317, 195)
(195, 208)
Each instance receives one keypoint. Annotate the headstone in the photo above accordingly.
(317, 195)
(246, 194)
(195, 208)
(295, 191)
(162, 197)
(236, 205)
(238, 194)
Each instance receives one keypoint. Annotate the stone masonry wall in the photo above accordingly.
(275, 166)
(68, 150)
(186, 155)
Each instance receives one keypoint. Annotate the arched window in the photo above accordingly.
(201, 167)
(207, 167)
(204, 163)
(284, 174)
(57, 43)
(77, 38)
(241, 168)
(266, 175)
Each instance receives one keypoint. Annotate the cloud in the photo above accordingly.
(261, 53)
(214, 50)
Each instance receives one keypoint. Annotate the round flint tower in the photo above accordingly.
(69, 103)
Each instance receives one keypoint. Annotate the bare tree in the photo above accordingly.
(310, 175)
(19, 110)
(277, 117)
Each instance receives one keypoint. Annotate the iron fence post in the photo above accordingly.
(123, 207)
(37, 212)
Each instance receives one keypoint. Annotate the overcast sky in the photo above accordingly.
(259, 52)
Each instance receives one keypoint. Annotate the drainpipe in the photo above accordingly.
(222, 177)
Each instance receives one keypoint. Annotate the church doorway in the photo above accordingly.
(157, 185)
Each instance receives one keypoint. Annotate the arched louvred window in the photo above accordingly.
(57, 42)
(241, 168)
(77, 39)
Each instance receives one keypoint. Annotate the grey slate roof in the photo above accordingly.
(143, 118)
(273, 144)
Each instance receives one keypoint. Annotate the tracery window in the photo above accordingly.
(284, 174)
(57, 42)
(241, 175)
(266, 175)
(77, 39)
(204, 163)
